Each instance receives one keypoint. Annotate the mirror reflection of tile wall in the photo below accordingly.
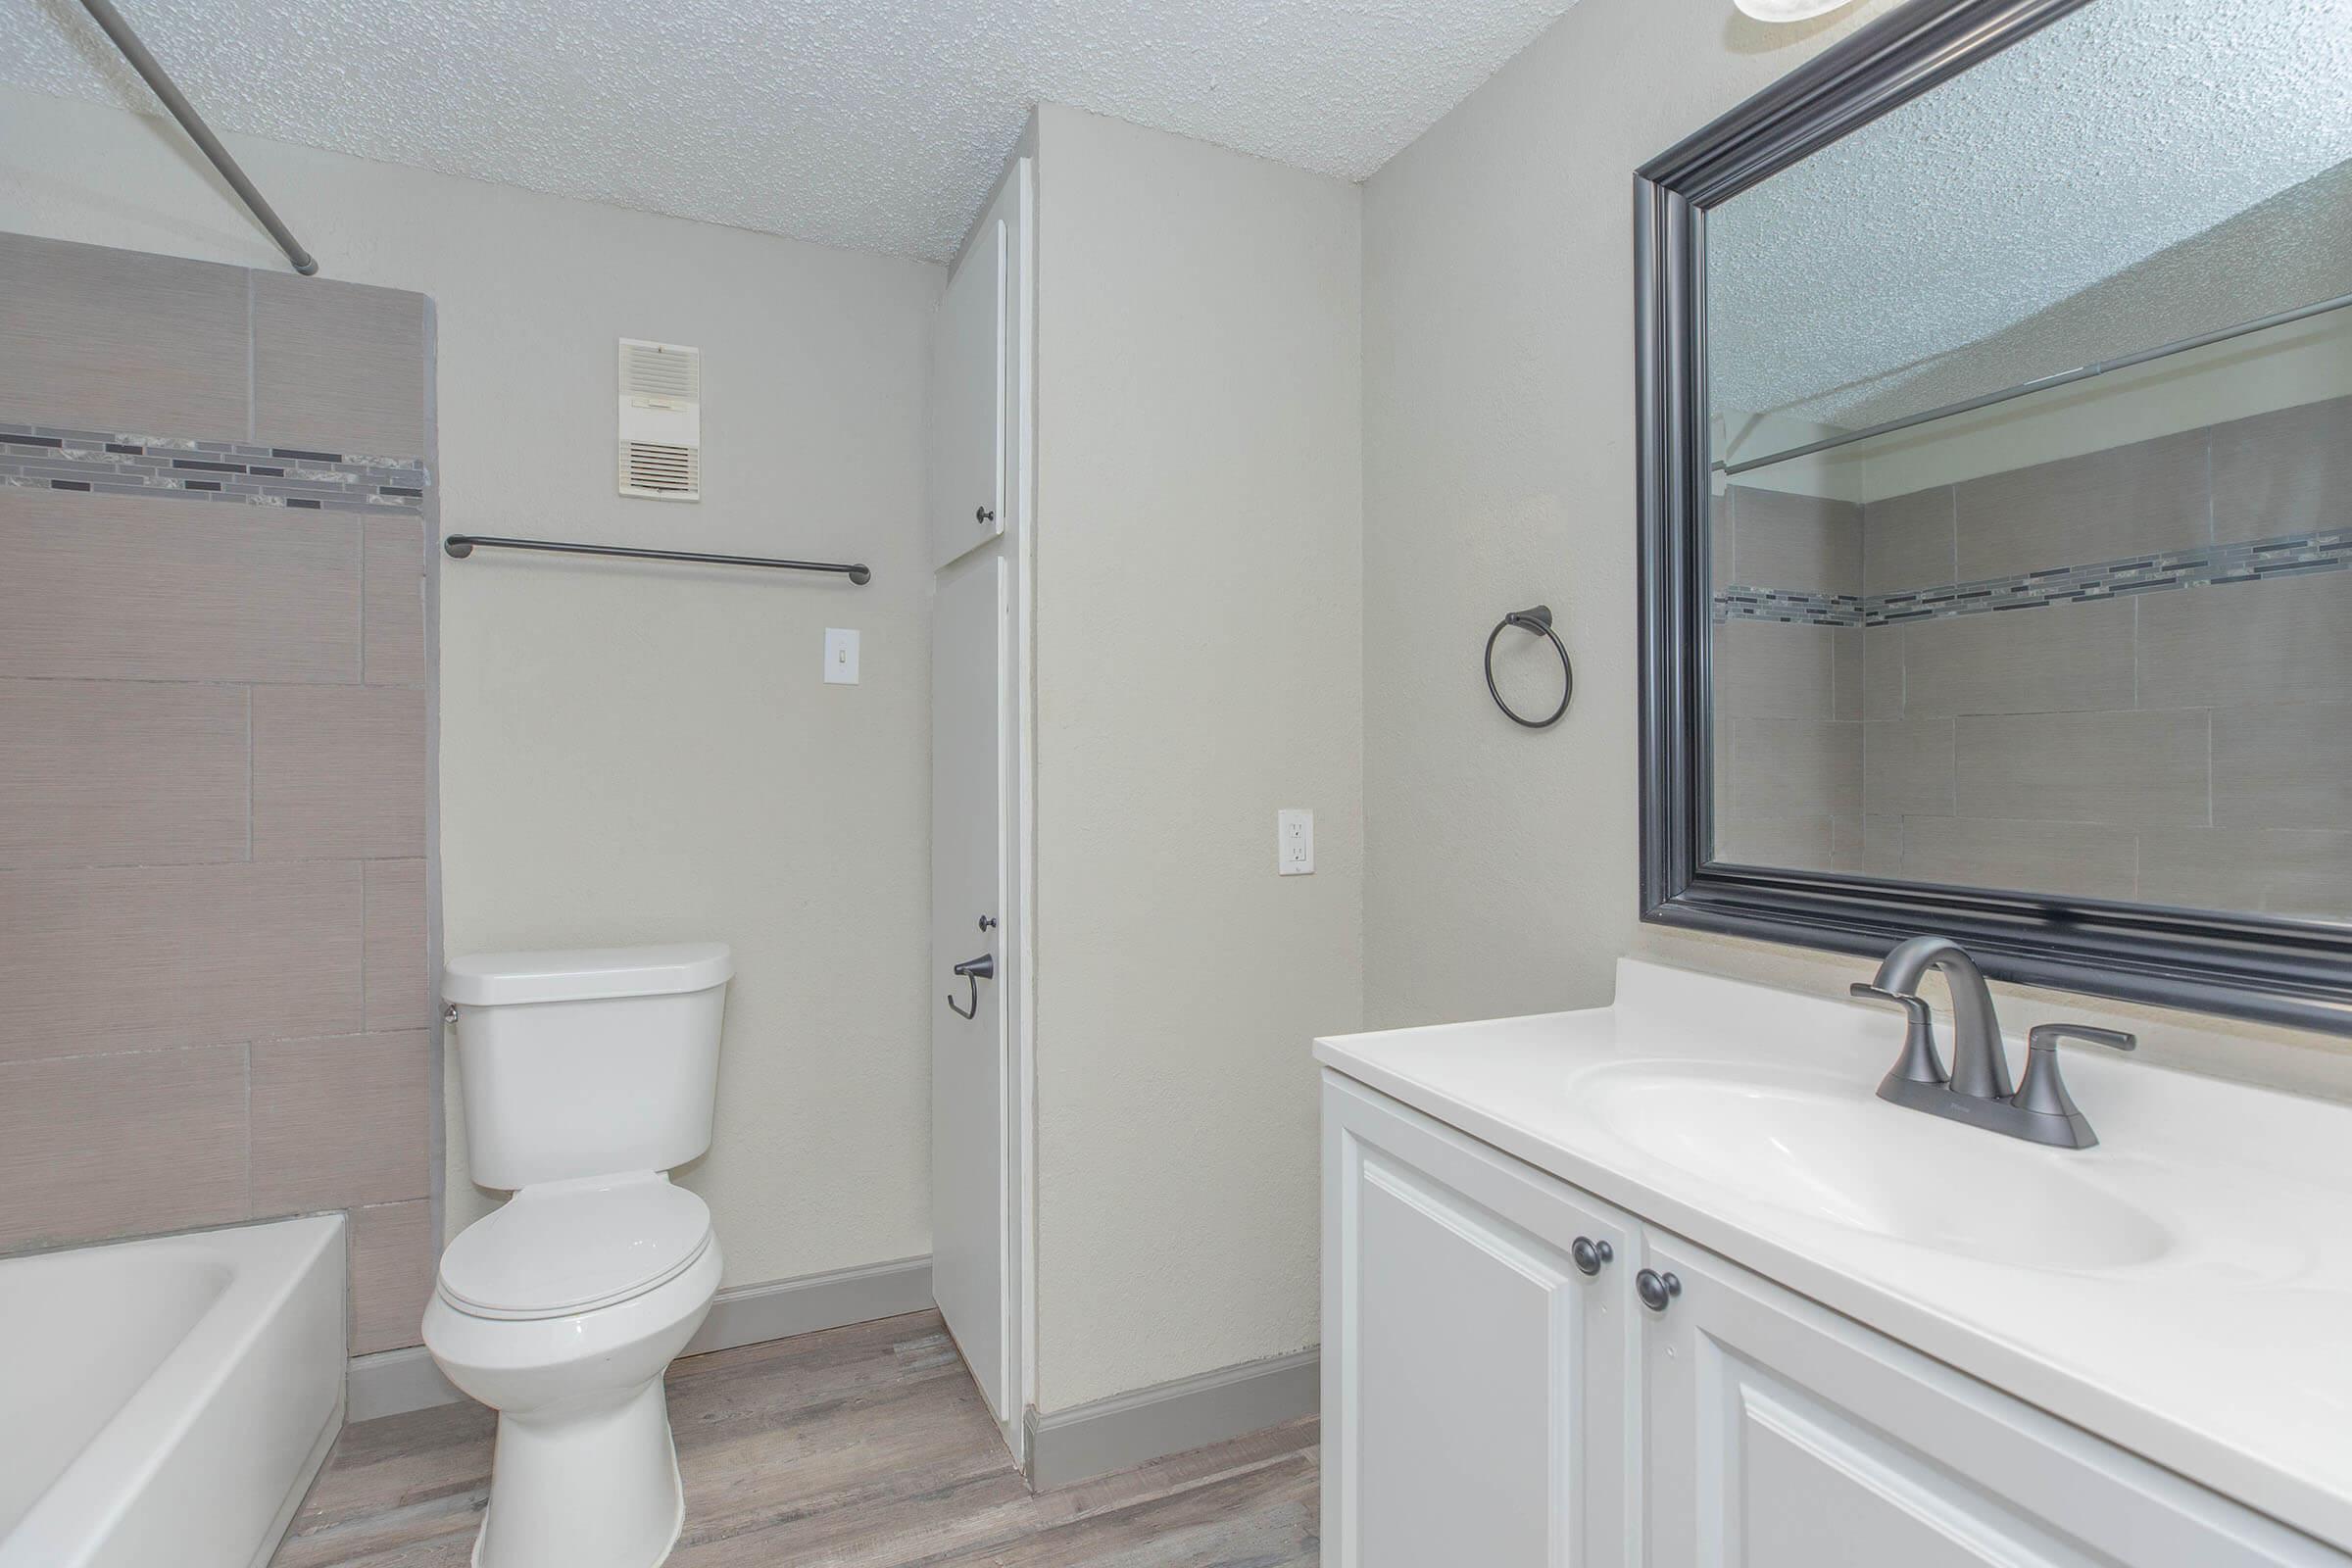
(2124, 674)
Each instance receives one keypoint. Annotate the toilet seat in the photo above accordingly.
(565, 1248)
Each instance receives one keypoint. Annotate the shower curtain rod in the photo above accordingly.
(107, 17)
(2121, 362)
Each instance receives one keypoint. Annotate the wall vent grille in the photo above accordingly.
(660, 420)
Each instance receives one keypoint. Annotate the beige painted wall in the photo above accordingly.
(635, 754)
(1498, 443)
(1198, 648)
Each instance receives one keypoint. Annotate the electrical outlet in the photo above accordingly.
(1294, 842)
(841, 656)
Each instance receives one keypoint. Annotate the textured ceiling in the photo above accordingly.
(2036, 189)
(873, 124)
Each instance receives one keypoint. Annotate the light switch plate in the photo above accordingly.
(1294, 842)
(841, 656)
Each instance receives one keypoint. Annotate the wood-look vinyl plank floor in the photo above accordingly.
(859, 1447)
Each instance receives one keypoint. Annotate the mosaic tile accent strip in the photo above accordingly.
(2329, 550)
(35, 457)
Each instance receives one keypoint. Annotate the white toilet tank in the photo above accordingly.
(587, 1063)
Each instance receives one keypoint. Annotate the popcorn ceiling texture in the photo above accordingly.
(1842, 288)
(875, 124)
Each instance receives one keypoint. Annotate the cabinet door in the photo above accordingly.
(1781, 1435)
(968, 426)
(1477, 1403)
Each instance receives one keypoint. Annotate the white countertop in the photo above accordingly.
(2227, 1355)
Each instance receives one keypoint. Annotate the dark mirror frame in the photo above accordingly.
(2281, 972)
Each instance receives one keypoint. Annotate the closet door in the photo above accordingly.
(968, 424)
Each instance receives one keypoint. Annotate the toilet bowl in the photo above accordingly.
(586, 1076)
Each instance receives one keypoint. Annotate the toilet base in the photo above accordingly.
(594, 1487)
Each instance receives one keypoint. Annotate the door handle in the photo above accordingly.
(973, 971)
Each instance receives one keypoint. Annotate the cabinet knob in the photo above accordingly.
(1656, 1290)
(984, 514)
(1590, 1255)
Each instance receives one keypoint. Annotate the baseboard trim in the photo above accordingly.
(1131, 1429)
(396, 1381)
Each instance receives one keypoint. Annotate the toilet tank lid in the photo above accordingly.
(504, 979)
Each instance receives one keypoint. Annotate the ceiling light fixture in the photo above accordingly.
(1788, 10)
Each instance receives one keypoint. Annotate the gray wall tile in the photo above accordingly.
(2085, 859)
(339, 772)
(1849, 672)
(335, 1121)
(1907, 768)
(1786, 767)
(120, 1145)
(132, 773)
(1883, 846)
(2285, 472)
(2283, 765)
(164, 956)
(1802, 843)
(392, 606)
(2285, 640)
(1782, 540)
(1910, 542)
(338, 366)
(130, 588)
(399, 993)
(2301, 874)
(1773, 669)
(1883, 672)
(393, 1256)
(2143, 767)
(2061, 657)
(2102, 506)
(121, 342)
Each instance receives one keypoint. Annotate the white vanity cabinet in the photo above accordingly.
(1488, 1404)
(1478, 1387)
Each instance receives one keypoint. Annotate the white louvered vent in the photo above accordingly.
(660, 420)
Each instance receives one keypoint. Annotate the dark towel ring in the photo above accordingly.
(1538, 621)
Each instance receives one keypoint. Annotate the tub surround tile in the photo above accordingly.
(2066, 658)
(97, 336)
(2085, 860)
(1795, 767)
(148, 956)
(399, 984)
(334, 1121)
(1793, 841)
(392, 601)
(115, 588)
(1849, 661)
(97, 773)
(1784, 540)
(1766, 670)
(1910, 541)
(2283, 473)
(2150, 496)
(338, 364)
(339, 772)
(2289, 641)
(393, 1256)
(2282, 766)
(1907, 768)
(2300, 874)
(2146, 769)
(122, 1145)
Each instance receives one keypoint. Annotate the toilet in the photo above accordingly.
(586, 1077)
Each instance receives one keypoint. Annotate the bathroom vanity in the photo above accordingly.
(1666, 1283)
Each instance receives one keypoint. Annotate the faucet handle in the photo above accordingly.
(1918, 1064)
(2043, 1091)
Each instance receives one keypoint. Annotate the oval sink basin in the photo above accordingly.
(1814, 1145)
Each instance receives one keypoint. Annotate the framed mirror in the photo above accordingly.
(1996, 400)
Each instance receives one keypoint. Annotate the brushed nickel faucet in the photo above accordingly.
(1977, 1091)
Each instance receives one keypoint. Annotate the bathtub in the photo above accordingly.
(165, 1403)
